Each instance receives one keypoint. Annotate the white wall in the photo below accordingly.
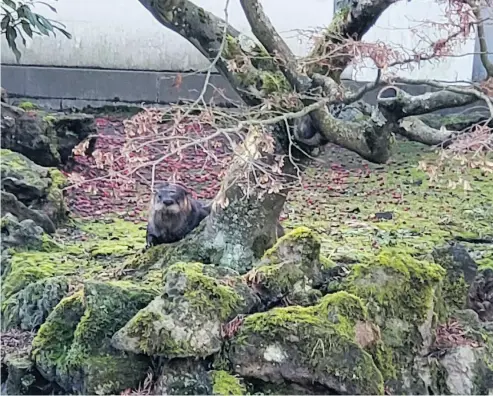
(395, 28)
(122, 34)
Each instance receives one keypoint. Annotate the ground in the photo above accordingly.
(355, 207)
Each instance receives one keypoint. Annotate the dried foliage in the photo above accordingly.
(453, 334)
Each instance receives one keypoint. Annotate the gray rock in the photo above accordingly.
(10, 204)
(46, 139)
(183, 377)
(185, 321)
(30, 191)
(24, 234)
(29, 308)
(480, 296)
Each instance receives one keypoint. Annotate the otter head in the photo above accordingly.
(171, 198)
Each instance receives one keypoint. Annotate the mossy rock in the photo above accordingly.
(461, 270)
(28, 308)
(185, 321)
(183, 377)
(45, 138)
(289, 269)
(73, 346)
(25, 234)
(37, 191)
(401, 294)
(307, 345)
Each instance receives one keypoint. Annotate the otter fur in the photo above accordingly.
(173, 214)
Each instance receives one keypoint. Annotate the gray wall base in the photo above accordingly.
(64, 88)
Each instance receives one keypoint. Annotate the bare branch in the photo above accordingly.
(351, 22)
(205, 31)
(415, 129)
(402, 104)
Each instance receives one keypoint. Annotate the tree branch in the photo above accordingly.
(351, 22)
(206, 31)
(402, 104)
(415, 129)
(266, 33)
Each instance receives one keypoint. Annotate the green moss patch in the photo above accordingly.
(325, 344)
(224, 383)
(73, 345)
(203, 292)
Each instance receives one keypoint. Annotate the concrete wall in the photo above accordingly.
(122, 34)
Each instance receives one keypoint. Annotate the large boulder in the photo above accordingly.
(185, 321)
(401, 294)
(72, 347)
(30, 191)
(319, 345)
(46, 139)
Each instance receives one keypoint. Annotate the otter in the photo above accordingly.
(173, 214)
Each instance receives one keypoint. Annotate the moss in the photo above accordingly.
(114, 237)
(273, 82)
(55, 336)
(28, 308)
(338, 19)
(49, 119)
(454, 294)
(400, 293)
(152, 339)
(324, 336)
(224, 383)
(22, 167)
(232, 47)
(341, 210)
(109, 306)
(384, 360)
(343, 310)
(326, 263)
(28, 106)
(30, 267)
(396, 285)
(106, 375)
(279, 278)
(340, 311)
(74, 340)
(486, 262)
(205, 293)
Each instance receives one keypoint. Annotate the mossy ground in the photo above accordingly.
(83, 250)
(342, 195)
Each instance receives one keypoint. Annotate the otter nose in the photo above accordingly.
(168, 201)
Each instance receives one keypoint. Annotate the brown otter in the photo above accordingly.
(173, 214)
